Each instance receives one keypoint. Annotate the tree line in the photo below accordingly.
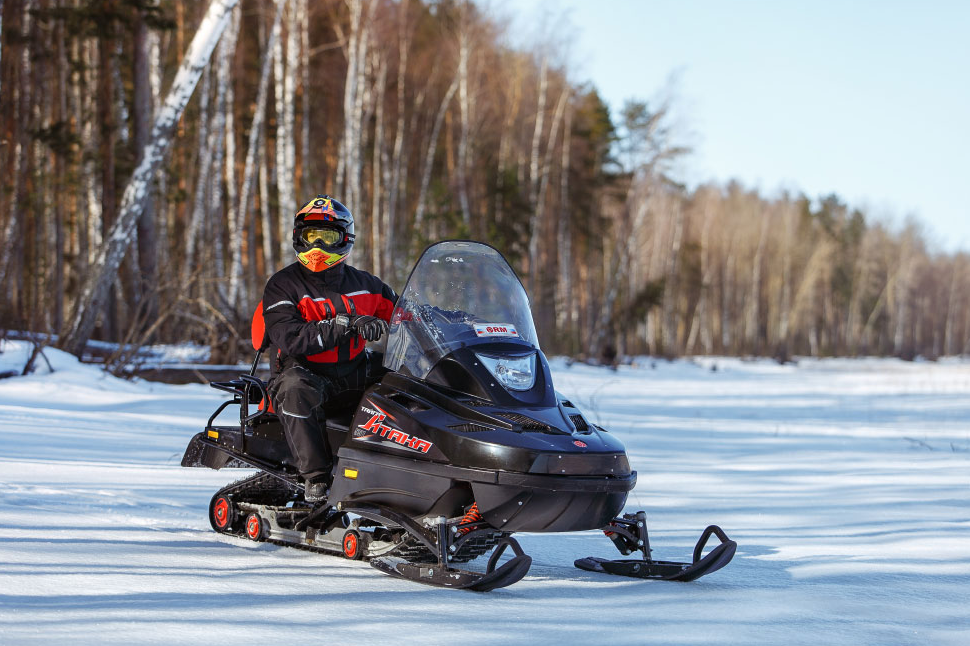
(420, 117)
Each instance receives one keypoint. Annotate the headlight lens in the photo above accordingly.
(514, 373)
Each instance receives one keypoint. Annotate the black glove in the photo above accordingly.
(369, 327)
(334, 328)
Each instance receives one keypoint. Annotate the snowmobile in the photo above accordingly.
(463, 442)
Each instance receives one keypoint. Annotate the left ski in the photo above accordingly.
(630, 534)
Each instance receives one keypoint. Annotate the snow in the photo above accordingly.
(845, 483)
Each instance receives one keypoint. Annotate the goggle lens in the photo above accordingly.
(327, 237)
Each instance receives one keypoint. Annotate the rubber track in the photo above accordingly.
(264, 489)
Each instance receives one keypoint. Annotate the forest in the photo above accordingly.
(153, 154)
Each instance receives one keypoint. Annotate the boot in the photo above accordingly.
(315, 491)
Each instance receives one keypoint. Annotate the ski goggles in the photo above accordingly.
(325, 236)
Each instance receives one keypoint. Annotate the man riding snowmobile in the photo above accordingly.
(460, 444)
(318, 314)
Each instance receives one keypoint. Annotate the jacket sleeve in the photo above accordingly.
(387, 302)
(287, 328)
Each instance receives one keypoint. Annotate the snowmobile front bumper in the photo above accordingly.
(508, 501)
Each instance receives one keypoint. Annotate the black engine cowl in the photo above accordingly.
(527, 468)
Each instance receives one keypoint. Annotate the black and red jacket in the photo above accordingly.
(296, 300)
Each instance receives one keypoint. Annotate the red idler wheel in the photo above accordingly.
(222, 514)
(352, 545)
(254, 527)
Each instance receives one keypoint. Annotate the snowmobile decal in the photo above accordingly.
(376, 430)
(495, 330)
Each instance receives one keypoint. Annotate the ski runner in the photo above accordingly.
(319, 312)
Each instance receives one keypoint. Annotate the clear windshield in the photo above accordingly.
(460, 293)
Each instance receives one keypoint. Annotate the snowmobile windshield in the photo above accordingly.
(459, 294)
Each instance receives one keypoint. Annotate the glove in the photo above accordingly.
(336, 327)
(369, 327)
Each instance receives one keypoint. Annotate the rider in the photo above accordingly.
(319, 312)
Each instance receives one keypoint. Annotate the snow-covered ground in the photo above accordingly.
(845, 483)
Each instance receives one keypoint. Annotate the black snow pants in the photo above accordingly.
(300, 397)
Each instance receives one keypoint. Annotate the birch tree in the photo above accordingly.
(464, 104)
(222, 142)
(430, 153)
(397, 179)
(91, 297)
(285, 67)
(245, 194)
(199, 203)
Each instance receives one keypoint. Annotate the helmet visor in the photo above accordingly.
(327, 237)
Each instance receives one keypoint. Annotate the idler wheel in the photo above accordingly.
(222, 514)
(254, 527)
(352, 544)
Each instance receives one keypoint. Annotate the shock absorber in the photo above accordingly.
(471, 516)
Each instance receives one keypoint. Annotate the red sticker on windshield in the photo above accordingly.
(495, 329)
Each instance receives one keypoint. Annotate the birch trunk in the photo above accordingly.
(465, 110)
(786, 295)
(539, 225)
(951, 308)
(345, 163)
(11, 254)
(396, 180)
(752, 331)
(355, 7)
(285, 68)
(1, 40)
(668, 331)
(61, 220)
(504, 148)
(355, 144)
(245, 194)
(379, 166)
(699, 320)
(305, 175)
(161, 177)
(230, 178)
(219, 143)
(565, 306)
(92, 295)
(288, 198)
(193, 231)
(147, 237)
(279, 152)
(537, 135)
(430, 154)
(266, 214)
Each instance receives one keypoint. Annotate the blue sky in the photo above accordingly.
(870, 100)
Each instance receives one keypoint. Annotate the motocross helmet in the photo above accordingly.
(323, 233)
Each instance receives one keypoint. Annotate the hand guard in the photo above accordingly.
(369, 327)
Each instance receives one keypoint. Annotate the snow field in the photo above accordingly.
(845, 483)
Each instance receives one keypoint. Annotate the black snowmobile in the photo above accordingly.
(462, 443)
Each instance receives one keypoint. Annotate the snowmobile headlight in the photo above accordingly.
(514, 373)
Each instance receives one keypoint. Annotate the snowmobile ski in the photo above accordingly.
(439, 574)
(629, 534)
